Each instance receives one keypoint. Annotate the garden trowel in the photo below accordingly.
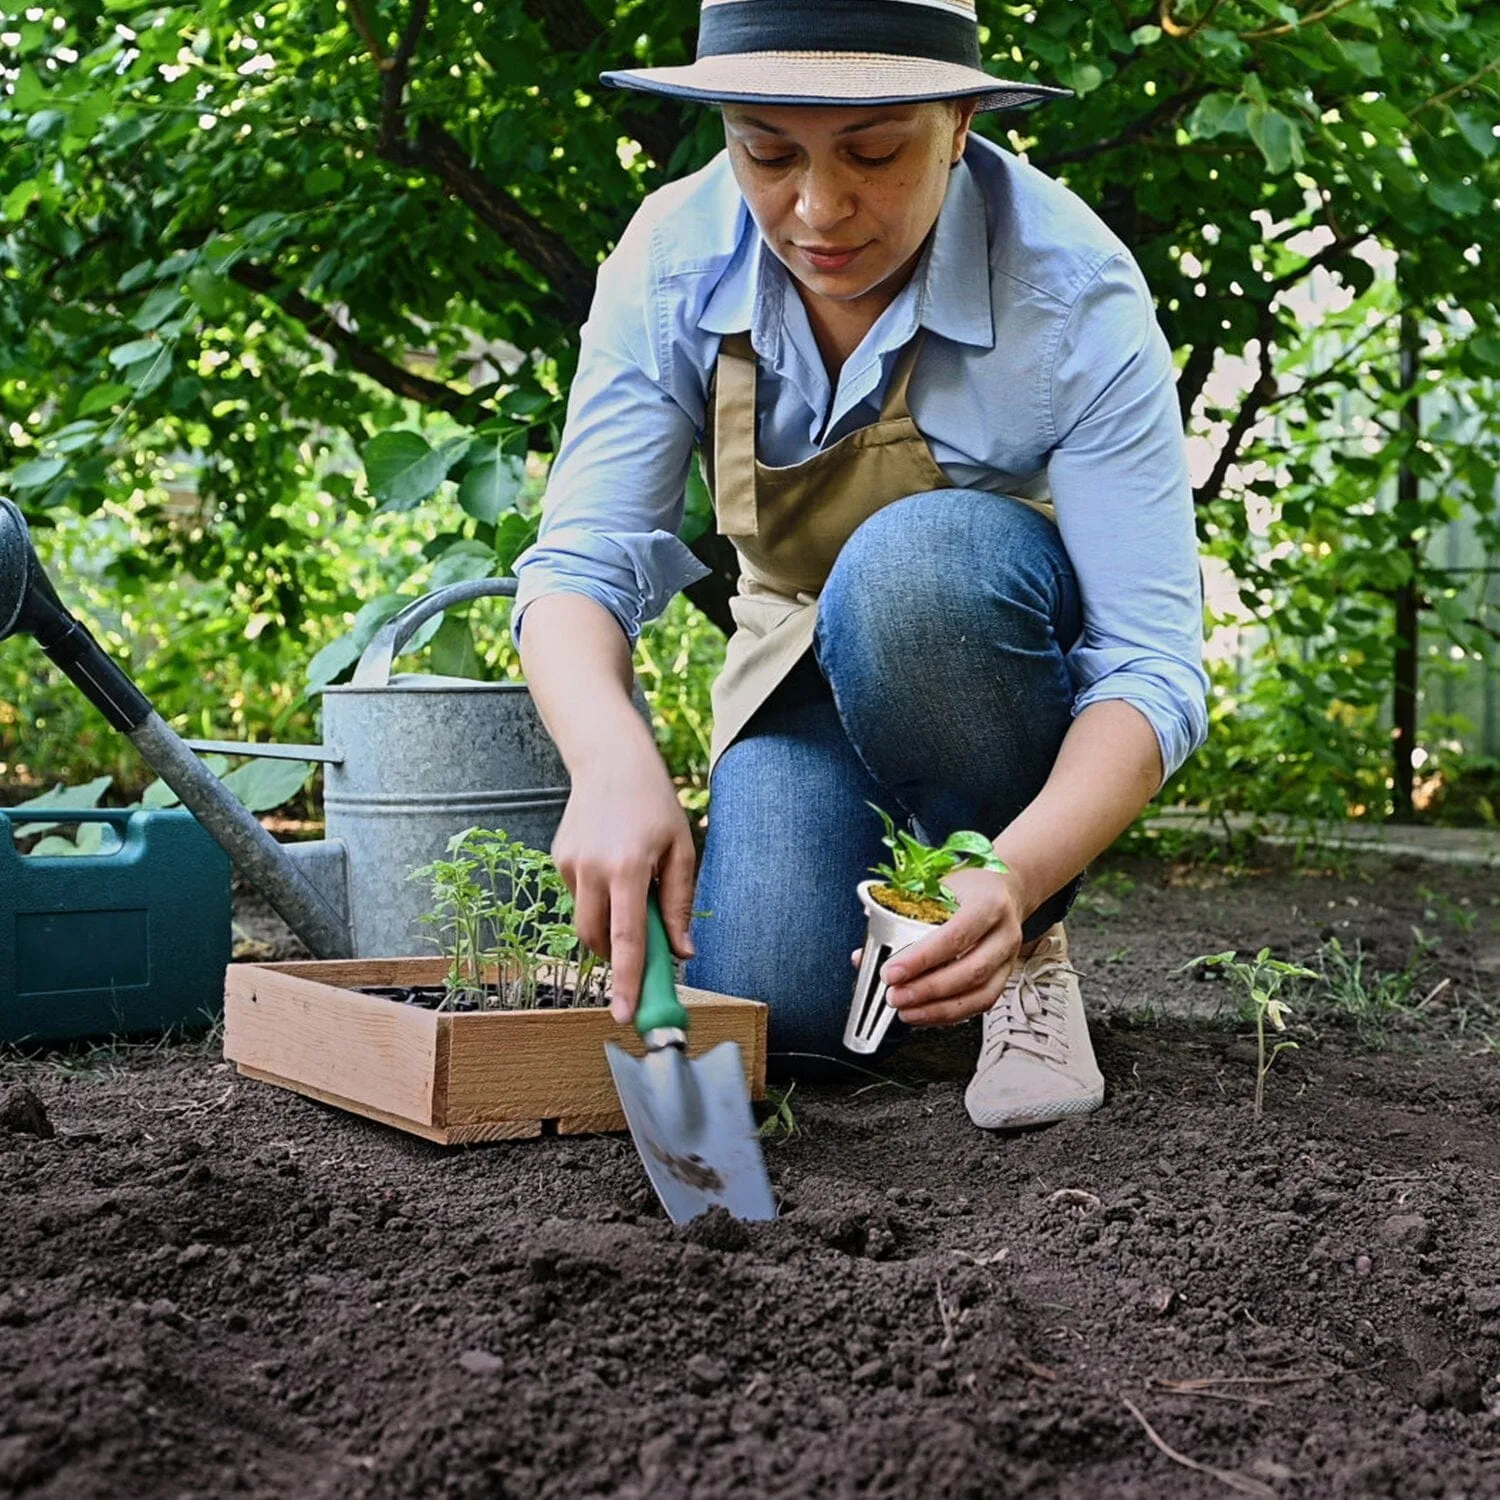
(690, 1117)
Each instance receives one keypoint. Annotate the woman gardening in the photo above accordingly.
(939, 423)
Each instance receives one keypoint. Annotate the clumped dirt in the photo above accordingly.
(211, 1288)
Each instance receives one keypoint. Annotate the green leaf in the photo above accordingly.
(454, 653)
(1365, 56)
(1146, 36)
(146, 374)
(157, 308)
(403, 470)
(37, 472)
(697, 504)
(463, 561)
(62, 798)
(513, 535)
(1460, 198)
(264, 784)
(133, 352)
(322, 180)
(490, 486)
(1278, 137)
(339, 655)
(1478, 131)
(1217, 114)
(20, 198)
(28, 91)
(209, 290)
(102, 398)
(1081, 77)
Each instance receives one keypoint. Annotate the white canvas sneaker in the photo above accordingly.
(1036, 1063)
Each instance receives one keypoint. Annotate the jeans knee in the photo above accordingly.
(936, 566)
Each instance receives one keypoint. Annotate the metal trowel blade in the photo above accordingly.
(691, 1122)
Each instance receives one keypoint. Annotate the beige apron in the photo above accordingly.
(789, 524)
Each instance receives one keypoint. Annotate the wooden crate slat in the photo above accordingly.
(550, 1064)
(359, 1047)
(450, 1077)
(605, 1123)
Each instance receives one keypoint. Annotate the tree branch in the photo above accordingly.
(324, 327)
(1175, 28)
(570, 26)
(1457, 89)
(1167, 110)
(436, 152)
(1298, 24)
(1258, 395)
(1330, 252)
(1195, 373)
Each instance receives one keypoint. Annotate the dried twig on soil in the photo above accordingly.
(1203, 1382)
(1242, 1483)
(1075, 1198)
(946, 1314)
(1187, 1388)
(187, 1106)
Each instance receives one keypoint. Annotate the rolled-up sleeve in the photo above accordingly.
(1119, 480)
(615, 494)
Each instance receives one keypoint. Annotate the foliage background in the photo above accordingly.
(289, 299)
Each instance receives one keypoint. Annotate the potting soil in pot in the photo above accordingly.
(434, 997)
(209, 1288)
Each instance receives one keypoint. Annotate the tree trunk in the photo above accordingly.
(1408, 596)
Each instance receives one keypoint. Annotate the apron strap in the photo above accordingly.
(895, 397)
(734, 437)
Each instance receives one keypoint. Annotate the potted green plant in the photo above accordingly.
(499, 1036)
(904, 903)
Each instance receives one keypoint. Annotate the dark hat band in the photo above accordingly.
(899, 28)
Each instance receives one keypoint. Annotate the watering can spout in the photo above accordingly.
(30, 605)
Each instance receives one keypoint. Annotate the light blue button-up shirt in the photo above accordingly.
(1044, 373)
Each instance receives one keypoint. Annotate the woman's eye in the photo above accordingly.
(874, 161)
(768, 161)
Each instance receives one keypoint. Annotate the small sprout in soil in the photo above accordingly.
(503, 917)
(1360, 992)
(781, 1124)
(1261, 981)
(913, 879)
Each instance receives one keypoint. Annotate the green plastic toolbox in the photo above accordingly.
(127, 941)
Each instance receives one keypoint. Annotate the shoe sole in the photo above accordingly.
(1036, 1114)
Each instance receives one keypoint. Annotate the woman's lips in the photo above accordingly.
(825, 260)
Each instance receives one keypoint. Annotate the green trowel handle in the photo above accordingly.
(659, 1005)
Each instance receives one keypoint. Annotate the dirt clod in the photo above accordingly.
(23, 1113)
(480, 1362)
(1407, 1232)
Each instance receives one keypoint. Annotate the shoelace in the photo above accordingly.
(1031, 1013)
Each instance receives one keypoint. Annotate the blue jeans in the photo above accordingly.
(936, 689)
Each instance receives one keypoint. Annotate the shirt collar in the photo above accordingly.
(953, 294)
(954, 298)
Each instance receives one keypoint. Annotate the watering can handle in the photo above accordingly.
(374, 669)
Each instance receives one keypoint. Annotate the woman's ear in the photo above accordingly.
(963, 116)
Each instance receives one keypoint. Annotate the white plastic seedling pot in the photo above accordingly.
(887, 932)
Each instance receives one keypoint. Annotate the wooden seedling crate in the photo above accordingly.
(455, 1077)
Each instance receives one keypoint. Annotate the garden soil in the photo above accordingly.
(212, 1288)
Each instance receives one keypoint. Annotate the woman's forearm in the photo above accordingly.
(577, 665)
(1108, 769)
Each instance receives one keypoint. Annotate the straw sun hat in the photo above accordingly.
(835, 52)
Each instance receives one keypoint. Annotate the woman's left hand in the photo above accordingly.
(960, 970)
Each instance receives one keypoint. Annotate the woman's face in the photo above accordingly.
(846, 195)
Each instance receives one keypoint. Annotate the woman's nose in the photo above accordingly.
(823, 201)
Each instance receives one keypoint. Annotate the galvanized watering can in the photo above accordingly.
(409, 761)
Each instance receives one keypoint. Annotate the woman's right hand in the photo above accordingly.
(624, 828)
